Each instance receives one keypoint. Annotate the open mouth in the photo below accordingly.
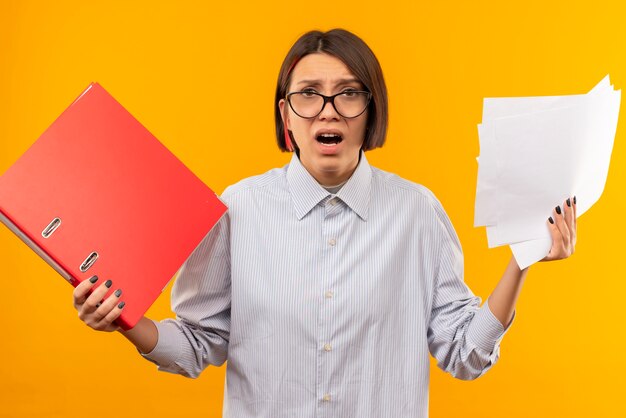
(329, 139)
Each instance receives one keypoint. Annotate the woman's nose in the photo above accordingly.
(328, 111)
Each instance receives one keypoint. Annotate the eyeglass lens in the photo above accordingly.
(348, 104)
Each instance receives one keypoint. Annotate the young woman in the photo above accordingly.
(328, 282)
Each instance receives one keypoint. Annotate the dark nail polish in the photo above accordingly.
(574, 199)
(93, 279)
(569, 204)
(551, 220)
(121, 305)
(118, 293)
(108, 283)
(558, 210)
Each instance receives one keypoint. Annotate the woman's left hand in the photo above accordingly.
(562, 226)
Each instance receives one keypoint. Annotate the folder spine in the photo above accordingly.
(21, 234)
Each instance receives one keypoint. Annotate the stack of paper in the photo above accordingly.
(535, 152)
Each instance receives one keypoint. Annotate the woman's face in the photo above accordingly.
(330, 163)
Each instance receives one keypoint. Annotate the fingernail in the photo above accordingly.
(108, 283)
(574, 199)
(558, 210)
(118, 293)
(569, 204)
(121, 305)
(93, 279)
(551, 220)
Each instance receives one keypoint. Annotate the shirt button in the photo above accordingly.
(326, 398)
(329, 294)
(327, 347)
(333, 201)
(332, 242)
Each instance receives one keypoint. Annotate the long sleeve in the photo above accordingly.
(201, 299)
(463, 337)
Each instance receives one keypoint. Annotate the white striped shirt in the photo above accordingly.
(327, 305)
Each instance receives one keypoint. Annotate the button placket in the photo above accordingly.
(331, 228)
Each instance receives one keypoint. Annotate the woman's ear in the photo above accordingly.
(284, 114)
(283, 111)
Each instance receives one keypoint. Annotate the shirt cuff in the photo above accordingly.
(168, 346)
(485, 330)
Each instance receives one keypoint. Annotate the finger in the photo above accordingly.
(569, 213)
(557, 240)
(559, 220)
(570, 219)
(112, 316)
(82, 291)
(107, 306)
(575, 210)
(96, 297)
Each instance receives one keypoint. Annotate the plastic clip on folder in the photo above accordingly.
(97, 194)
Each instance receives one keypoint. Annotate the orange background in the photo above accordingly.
(201, 77)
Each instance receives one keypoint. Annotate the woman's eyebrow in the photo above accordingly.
(338, 82)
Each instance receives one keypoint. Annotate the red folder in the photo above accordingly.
(97, 194)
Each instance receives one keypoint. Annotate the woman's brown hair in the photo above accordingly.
(359, 59)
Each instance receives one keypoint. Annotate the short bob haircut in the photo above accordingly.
(359, 59)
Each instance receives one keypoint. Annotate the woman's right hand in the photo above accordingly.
(92, 310)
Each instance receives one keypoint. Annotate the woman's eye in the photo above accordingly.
(349, 92)
(308, 93)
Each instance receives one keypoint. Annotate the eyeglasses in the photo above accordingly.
(348, 104)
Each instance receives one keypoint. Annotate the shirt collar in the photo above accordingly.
(306, 192)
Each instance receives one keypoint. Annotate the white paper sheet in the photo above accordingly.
(534, 153)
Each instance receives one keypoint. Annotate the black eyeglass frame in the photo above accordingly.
(330, 99)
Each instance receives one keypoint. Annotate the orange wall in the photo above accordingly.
(200, 76)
